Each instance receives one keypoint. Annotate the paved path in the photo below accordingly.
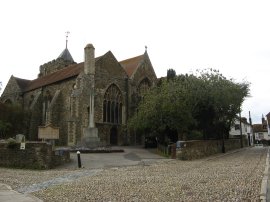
(234, 176)
(9, 195)
(130, 156)
(92, 164)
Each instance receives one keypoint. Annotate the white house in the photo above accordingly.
(246, 129)
(261, 131)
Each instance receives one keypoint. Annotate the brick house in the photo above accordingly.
(100, 93)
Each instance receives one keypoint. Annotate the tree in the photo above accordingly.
(164, 108)
(171, 74)
(13, 120)
(220, 104)
(205, 103)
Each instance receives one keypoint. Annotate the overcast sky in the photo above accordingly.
(232, 36)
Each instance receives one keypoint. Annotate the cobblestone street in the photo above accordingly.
(235, 176)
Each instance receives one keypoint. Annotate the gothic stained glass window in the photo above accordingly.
(143, 87)
(112, 105)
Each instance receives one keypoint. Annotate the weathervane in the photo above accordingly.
(67, 33)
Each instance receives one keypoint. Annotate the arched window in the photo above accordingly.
(112, 105)
(8, 101)
(31, 100)
(144, 86)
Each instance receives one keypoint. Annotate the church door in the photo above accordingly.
(113, 136)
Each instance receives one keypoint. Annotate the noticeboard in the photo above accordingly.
(48, 132)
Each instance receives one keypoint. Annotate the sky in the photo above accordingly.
(232, 36)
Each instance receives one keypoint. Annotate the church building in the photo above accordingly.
(90, 102)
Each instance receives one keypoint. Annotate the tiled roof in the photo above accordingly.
(22, 83)
(67, 72)
(60, 75)
(131, 64)
(259, 128)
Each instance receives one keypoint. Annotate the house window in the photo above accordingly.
(261, 136)
(112, 105)
(237, 126)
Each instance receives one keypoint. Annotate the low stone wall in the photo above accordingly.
(36, 155)
(198, 149)
(60, 157)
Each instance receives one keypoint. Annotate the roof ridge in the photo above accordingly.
(22, 83)
(131, 58)
(130, 65)
(69, 71)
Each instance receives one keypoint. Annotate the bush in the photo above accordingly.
(11, 143)
(195, 135)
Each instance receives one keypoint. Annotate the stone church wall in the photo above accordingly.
(12, 92)
(69, 100)
(80, 106)
(108, 72)
(33, 103)
(144, 71)
(60, 111)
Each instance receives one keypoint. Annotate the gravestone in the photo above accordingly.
(20, 138)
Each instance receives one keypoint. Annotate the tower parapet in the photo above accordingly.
(65, 59)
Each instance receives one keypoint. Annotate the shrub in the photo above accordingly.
(11, 143)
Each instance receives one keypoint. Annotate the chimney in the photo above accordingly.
(89, 59)
(250, 121)
(263, 120)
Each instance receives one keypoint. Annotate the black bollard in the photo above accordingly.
(79, 159)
